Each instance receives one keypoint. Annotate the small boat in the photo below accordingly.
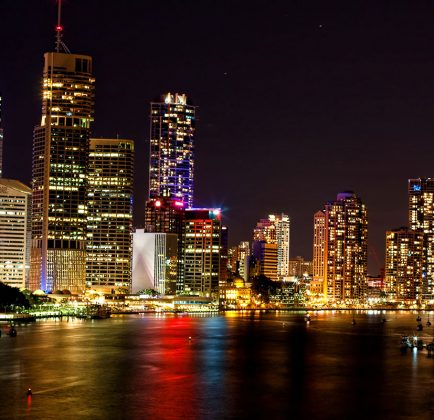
(406, 342)
(419, 327)
(307, 318)
(12, 332)
(418, 319)
(98, 312)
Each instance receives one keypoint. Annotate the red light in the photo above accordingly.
(59, 28)
(158, 203)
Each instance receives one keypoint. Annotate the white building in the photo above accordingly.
(14, 232)
(155, 258)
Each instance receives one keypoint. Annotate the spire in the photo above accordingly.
(60, 45)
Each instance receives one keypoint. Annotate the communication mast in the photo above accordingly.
(60, 45)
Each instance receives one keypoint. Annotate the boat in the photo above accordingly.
(418, 319)
(406, 342)
(419, 327)
(98, 312)
(12, 332)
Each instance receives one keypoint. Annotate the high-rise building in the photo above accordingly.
(1, 139)
(224, 255)
(404, 262)
(276, 230)
(200, 253)
(60, 160)
(164, 215)
(319, 235)
(299, 267)
(171, 163)
(267, 256)
(421, 218)
(14, 228)
(109, 214)
(345, 248)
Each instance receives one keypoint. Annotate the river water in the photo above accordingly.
(232, 366)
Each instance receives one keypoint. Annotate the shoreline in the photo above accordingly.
(31, 317)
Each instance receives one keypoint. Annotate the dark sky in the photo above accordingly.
(298, 100)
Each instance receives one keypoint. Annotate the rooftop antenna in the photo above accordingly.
(60, 45)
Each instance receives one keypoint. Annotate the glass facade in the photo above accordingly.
(59, 179)
(109, 214)
(171, 163)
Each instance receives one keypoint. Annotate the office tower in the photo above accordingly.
(243, 259)
(1, 139)
(14, 227)
(155, 260)
(171, 162)
(319, 235)
(404, 263)
(421, 218)
(224, 255)
(267, 256)
(164, 215)
(200, 253)
(109, 214)
(299, 267)
(60, 159)
(345, 250)
(276, 230)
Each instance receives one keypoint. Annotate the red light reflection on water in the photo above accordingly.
(170, 384)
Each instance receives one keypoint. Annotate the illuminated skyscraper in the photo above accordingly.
(275, 231)
(421, 218)
(319, 232)
(404, 262)
(60, 159)
(1, 139)
(14, 229)
(200, 253)
(345, 249)
(171, 163)
(110, 214)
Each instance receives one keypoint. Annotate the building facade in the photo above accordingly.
(200, 259)
(1, 139)
(421, 218)
(15, 200)
(155, 259)
(404, 264)
(109, 214)
(275, 231)
(345, 249)
(171, 163)
(59, 174)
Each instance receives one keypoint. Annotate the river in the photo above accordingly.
(232, 366)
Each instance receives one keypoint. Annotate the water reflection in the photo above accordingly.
(252, 365)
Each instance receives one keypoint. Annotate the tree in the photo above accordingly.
(11, 297)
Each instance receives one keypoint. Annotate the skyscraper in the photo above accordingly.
(171, 163)
(421, 218)
(1, 139)
(404, 262)
(319, 235)
(200, 253)
(60, 159)
(14, 228)
(345, 249)
(275, 231)
(110, 214)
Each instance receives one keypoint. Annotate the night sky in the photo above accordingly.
(298, 100)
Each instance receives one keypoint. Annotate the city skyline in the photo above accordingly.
(348, 109)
